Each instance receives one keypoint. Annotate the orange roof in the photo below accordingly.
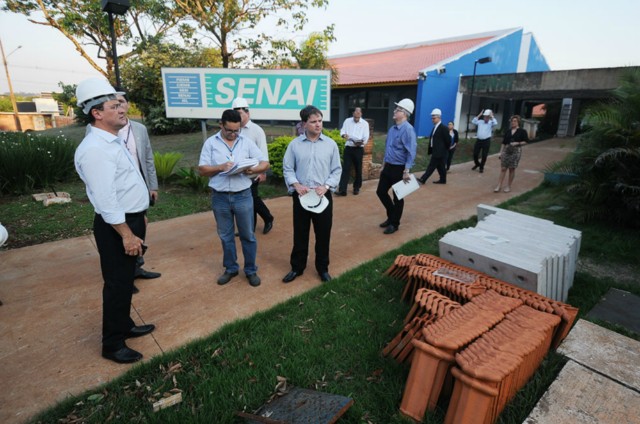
(397, 65)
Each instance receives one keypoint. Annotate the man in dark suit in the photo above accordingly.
(439, 143)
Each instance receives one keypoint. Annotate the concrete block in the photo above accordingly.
(580, 395)
(604, 351)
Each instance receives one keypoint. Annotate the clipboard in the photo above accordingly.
(241, 167)
(402, 190)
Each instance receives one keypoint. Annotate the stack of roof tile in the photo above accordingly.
(445, 337)
(428, 306)
(498, 364)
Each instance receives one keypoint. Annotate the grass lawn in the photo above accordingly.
(330, 339)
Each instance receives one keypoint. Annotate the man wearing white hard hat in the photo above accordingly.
(253, 132)
(439, 142)
(485, 123)
(399, 156)
(311, 168)
(120, 198)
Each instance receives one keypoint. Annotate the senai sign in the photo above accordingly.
(204, 93)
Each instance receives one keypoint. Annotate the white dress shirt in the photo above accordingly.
(357, 131)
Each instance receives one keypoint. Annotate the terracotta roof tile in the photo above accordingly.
(399, 65)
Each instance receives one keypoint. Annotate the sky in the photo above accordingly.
(570, 34)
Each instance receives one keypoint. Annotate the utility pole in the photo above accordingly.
(11, 95)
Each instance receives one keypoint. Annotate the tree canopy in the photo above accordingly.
(85, 24)
(228, 23)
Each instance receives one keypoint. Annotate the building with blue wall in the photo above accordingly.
(429, 73)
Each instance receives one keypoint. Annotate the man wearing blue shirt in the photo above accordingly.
(399, 156)
(120, 197)
(231, 198)
(311, 162)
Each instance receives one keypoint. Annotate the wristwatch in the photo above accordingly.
(327, 187)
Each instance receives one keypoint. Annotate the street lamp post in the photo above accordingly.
(12, 96)
(473, 83)
(115, 7)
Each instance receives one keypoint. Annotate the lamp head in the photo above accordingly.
(484, 60)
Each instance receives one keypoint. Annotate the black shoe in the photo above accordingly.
(122, 356)
(135, 289)
(422, 181)
(267, 226)
(324, 276)
(439, 182)
(475, 167)
(340, 193)
(481, 170)
(147, 275)
(384, 224)
(292, 275)
(356, 191)
(254, 280)
(140, 330)
(390, 229)
(226, 277)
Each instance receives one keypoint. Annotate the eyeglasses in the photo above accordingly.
(231, 131)
(114, 106)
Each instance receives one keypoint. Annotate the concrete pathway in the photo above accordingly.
(50, 323)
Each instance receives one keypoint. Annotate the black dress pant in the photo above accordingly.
(390, 175)
(352, 156)
(481, 147)
(450, 157)
(322, 222)
(118, 270)
(259, 208)
(439, 163)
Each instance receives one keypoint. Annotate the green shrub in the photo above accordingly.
(190, 177)
(278, 147)
(158, 124)
(29, 162)
(165, 162)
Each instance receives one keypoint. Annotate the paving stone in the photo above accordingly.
(604, 351)
(618, 307)
(580, 395)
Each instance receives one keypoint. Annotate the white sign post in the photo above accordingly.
(204, 93)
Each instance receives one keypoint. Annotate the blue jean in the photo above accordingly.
(228, 207)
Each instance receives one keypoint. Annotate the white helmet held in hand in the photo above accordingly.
(406, 104)
(93, 91)
(487, 112)
(4, 235)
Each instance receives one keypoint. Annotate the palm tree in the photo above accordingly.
(607, 161)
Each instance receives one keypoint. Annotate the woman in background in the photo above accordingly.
(454, 142)
(510, 152)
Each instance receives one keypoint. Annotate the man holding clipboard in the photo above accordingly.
(399, 156)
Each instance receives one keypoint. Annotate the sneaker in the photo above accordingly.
(254, 280)
(226, 277)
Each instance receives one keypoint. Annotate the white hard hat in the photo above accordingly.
(239, 102)
(487, 112)
(314, 203)
(436, 111)
(93, 91)
(4, 235)
(406, 104)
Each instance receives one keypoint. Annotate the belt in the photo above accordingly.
(135, 214)
(230, 192)
(484, 139)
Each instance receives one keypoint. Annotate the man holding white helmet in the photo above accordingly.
(439, 142)
(253, 132)
(399, 156)
(483, 134)
(120, 198)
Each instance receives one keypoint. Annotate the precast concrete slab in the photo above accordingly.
(618, 307)
(580, 395)
(605, 352)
